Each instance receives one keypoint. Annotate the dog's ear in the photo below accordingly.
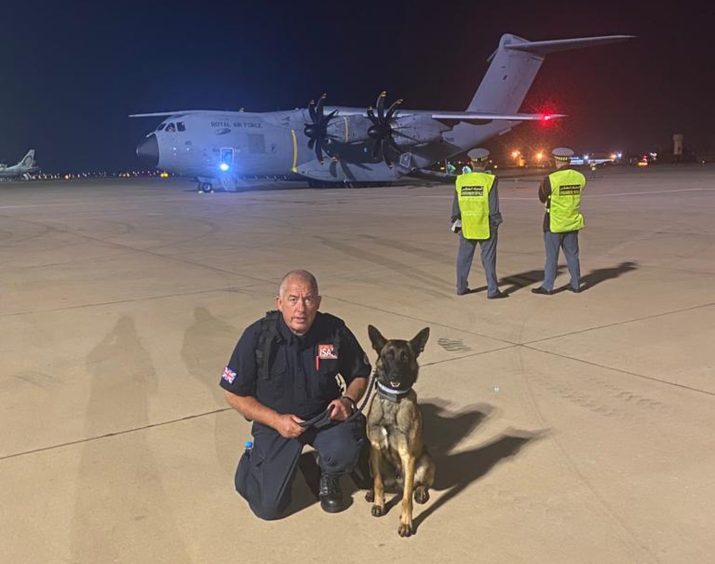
(419, 341)
(376, 338)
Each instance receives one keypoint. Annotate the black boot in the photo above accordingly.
(331, 498)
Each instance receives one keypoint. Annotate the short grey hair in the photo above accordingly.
(303, 275)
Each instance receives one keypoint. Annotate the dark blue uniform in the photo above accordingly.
(300, 379)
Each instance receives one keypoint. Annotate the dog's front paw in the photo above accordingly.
(377, 511)
(405, 530)
(369, 496)
(421, 495)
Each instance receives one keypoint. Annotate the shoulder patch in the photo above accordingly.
(228, 375)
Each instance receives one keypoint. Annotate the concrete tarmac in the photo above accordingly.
(565, 428)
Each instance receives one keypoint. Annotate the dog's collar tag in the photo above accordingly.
(390, 393)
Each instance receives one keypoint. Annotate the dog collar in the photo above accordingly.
(390, 393)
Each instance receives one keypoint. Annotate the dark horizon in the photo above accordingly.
(73, 73)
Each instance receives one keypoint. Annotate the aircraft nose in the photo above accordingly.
(148, 151)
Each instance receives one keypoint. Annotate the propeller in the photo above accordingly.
(317, 130)
(381, 132)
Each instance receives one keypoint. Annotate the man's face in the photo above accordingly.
(299, 305)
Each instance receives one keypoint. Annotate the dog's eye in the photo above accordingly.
(403, 356)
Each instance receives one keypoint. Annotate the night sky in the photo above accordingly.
(73, 71)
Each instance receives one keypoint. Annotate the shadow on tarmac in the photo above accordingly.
(206, 339)
(602, 274)
(119, 493)
(523, 279)
(599, 275)
(456, 472)
(443, 431)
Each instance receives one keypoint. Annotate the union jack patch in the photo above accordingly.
(327, 352)
(228, 375)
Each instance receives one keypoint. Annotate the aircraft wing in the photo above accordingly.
(183, 113)
(481, 116)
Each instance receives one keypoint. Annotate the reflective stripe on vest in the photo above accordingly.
(564, 203)
(473, 197)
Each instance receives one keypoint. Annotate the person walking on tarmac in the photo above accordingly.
(476, 217)
(561, 192)
(281, 376)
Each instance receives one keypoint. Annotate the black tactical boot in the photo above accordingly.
(331, 498)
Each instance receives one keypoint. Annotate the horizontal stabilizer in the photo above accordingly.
(543, 48)
(481, 116)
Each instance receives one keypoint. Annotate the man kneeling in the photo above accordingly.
(282, 376)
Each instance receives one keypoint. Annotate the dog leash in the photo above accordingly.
(323, 418)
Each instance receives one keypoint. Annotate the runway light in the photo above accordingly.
(539, 156)
(224, 167)
(515, 154)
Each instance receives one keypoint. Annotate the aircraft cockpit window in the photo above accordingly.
(161, 126)
(180, 126)
(171, 127)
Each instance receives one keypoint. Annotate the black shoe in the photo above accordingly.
(574, 290)
(464, 292)
(541, 290)
(497, 296)
(331, 498)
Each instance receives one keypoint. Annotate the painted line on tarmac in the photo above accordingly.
(621, 371)
(94, 201)
(117, 434)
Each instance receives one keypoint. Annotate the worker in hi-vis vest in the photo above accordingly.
(561, 192)
(476, 217)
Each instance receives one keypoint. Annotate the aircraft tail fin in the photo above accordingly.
(29, 159)
(514, 66)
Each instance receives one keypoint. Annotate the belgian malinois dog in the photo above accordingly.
(394, 427)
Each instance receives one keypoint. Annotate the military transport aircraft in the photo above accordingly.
(24, 168)
(334, 144)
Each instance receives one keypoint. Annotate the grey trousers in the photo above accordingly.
(552, 243)
(465, 255)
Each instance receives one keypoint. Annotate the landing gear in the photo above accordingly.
(205, 188)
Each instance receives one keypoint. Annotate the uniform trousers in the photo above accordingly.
(465, 255)
(265, 473)
(569, 243)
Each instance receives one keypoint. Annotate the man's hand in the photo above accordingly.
(340, 409)
(288, 425)
(457, 226)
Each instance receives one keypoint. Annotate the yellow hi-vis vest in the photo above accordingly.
(564, 203)
(473, 197)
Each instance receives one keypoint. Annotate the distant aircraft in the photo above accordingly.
(595, 160)
(377, 145)
(23, 169)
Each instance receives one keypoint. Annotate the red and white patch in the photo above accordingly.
(228, 375)
(327, 352)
